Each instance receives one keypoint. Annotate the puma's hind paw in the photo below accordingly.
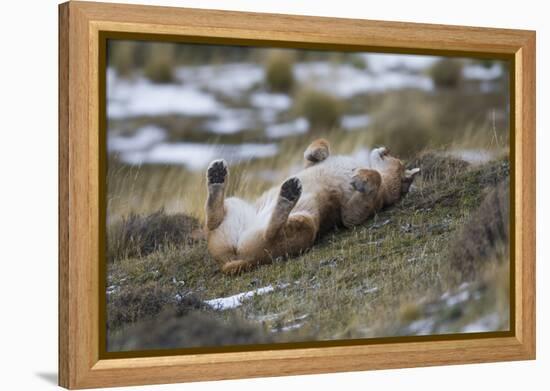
(317, 151)
(291, 189)
(233, 268)
(217, 171)
(366, 180)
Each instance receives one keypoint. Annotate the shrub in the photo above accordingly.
(322, 110)
(195, 329)
(279, 74)
(131, 303)
(485, 236)
(446, 73)
(405, 122)
(137, 236)
(159, 67)
(436, 166)
(358, 61)
(121, 57)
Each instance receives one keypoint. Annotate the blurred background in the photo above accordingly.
(435, 263)
(172, 108)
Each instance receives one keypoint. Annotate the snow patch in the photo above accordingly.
(379, 62)
(264, 100)
(298, 126)
(230, 121)
(487, 323)
(142, 138)
(231, 302)
(228, 79)
(140, 97)
(353, 122)
(345, 81)
(197, 156)
(478, 72)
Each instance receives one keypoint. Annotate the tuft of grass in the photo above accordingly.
(130, 303)
(322, 110)
(358, 62)
(446, 73)
(405, 122)
(137, 236)
(197, 329)
(159, 67)
(121, 57)
(436, 166)
(279, 74)
(485, 236)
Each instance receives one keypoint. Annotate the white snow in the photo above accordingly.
(287, 328)
(298, 126)
(137, 97)
(229, 79)
(380, 62)
(230, 302)
(478, 72)
(196, 156)
(345, 81)
(422, 326)
(265, 100)
(231, 121)
(353, 122)
(457, 299)
(142, 138)
(487, 323)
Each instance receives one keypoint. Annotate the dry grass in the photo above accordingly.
(384, 278)
(485, 236)
(138, 236)
(147, 189)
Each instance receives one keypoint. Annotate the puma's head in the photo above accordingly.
(396, 177)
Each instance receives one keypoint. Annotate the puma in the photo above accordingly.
(286, 220)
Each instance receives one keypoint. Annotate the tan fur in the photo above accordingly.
(286, 220)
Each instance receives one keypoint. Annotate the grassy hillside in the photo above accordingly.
(405, 272)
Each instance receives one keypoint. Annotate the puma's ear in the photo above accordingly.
(412, 173)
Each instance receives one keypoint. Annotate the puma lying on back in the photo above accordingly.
(286, 220)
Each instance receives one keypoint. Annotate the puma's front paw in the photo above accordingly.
(217, 171)
(365, 180)
(380, 153)
(291, 189)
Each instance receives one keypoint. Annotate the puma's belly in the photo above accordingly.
(332, 175)
(326, 186)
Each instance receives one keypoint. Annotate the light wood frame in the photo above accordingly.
(80, 26)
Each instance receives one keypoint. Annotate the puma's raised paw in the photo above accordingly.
(317, 151)
(366, 180)
(217, 171)
(291, 189)
(381, 152)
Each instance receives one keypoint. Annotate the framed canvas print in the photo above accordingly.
(247, 195)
